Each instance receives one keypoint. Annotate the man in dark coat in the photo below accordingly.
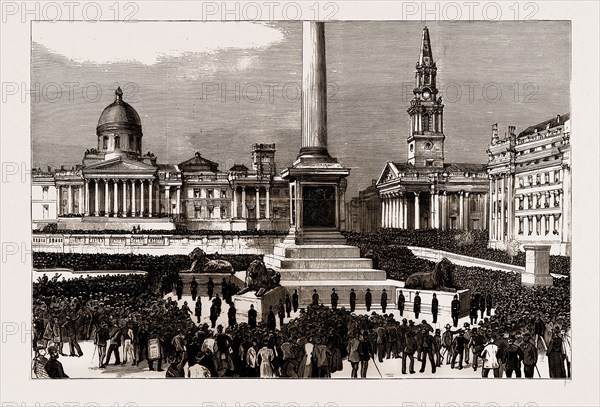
(334, 299)
(53, 367)
(315, 298)
(458, 347)
(281, 313)
(368, 299)
(511, 358)
(271, 322)
(198, 310)
(70, 331)
(488, 304)
(408, 352)
(115, 344)
(231, 315)
(179, 288)
(428, 349)
(383, 301)
(295, 303)
(473, 310)
(477, 343)
(194, 288)
(252, 314)
(482, 305)
(455, 310)
(214, 314)
(101, 340)
(352, 300)
(530, 355)
(434, 308)
(366, 353)
(210, 287)
(401, 301)
(417, 305)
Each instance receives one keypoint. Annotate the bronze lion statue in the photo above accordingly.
(440, 278)
(201, 263)
(259, 278)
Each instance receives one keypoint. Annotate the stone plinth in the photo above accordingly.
(444, 301)
(261, 304)
(537, 266)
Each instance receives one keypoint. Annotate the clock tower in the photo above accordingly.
(426, 111)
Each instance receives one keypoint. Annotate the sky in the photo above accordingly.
(219, 87)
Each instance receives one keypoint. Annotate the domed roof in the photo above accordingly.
(119, 112)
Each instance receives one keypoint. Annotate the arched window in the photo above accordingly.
(117, 142)
(105, 142)
(131, 142)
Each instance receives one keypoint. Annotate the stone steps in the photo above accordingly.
(328, 263)
(316, 251)
(316, 274)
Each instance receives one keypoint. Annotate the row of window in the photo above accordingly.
(133, 143)
(550, 223)
(546, 177)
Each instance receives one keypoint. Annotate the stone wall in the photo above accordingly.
(155, 244)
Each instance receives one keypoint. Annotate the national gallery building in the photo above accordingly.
(118, 187)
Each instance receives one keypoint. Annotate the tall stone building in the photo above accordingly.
(530, 186)
(118, 187)
(425, 191)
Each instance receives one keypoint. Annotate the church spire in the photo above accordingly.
(426, 57)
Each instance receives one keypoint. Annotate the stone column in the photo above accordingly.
(70, 199)
(405, 212)
(383, 211)
(124, 192)
(431, 210)
(502, 206)
(167, 199)
(133, 198)
(80, 203)
(234, 211)
(142, 203)
(436, 223)
(96, 205)
(314, 90)
(178, 197)
(491, 211)
(467, 212)
(511, 204)
(257, 205)
(461, 210)
(417, 212)
(267, 203)
(244, 209)
(150, 198)
(86, 210)
(115, 198)
(106, 197)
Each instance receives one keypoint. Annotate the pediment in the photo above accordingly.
(389, 173)
(119, 165)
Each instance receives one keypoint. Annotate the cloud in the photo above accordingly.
(149, 42)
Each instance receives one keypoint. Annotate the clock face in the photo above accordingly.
(428, 146)
(426, 95)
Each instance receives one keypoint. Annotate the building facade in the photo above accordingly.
(117, 186)
(530, 186)
(425, 191)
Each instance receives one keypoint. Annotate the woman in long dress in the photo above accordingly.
(556, 361)
(265, 355)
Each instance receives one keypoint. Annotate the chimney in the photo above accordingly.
(494, 133)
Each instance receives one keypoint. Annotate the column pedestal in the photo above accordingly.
(537, 266)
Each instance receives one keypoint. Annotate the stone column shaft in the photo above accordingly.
(234, 210)
(314, 90)
(267, 203)
(150, 198)
(257, 206)
(417, 212)
(178, 196)
(96, 206)
(70, 199)
(115, 198)
(133, 198)
(86, 211)
(106, 197)
(244, 209)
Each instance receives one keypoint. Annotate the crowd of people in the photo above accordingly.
(473, 243)
(124, 320)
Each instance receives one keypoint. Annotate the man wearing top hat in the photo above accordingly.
(368, 299)
(334, 299)
(455, 310)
